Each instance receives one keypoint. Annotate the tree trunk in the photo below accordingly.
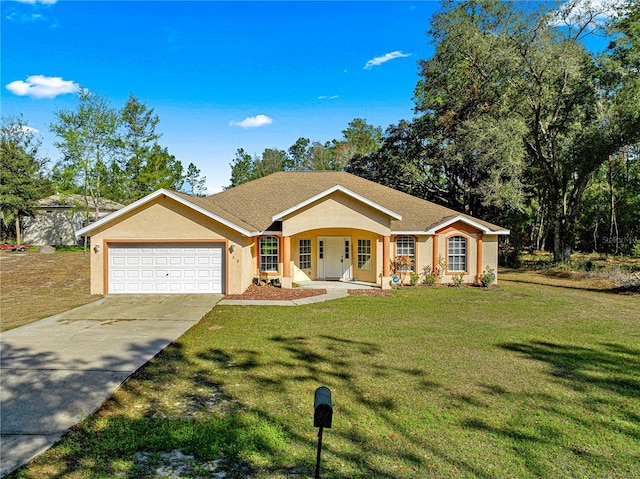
(561, 248)
(563, 221)
(18, 235)
(613, 222)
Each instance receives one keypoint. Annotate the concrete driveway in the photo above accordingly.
(59, 370)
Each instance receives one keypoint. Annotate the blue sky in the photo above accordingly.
(220, 75)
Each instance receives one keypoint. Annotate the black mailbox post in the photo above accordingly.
(322, 408)
(322, 417)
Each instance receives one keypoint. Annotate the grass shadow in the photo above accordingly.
(612, 367)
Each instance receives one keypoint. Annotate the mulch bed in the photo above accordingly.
(255, 292)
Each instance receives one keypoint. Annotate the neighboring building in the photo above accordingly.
(293, 226)
(59, 217)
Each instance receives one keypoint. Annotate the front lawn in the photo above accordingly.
(526, 381)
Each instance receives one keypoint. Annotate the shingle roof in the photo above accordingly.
(71, 200)
(253, 205)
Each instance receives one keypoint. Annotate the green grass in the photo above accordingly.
(526, 381)
(71, 249)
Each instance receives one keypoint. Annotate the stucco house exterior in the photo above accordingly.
(293, 226)
(59, 217)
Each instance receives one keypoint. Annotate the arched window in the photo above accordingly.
(406, 246)
(268, 254)
(457, 254)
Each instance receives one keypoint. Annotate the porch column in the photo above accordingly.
(434, 260)
(287, 282)
(479, 257)
(386, 263)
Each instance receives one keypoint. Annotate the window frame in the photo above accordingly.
(411, 255)
(364, 255)
(262, 256)
(306, 252)
(459, 239)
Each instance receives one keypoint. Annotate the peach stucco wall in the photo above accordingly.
(166, 220)
(336, 211)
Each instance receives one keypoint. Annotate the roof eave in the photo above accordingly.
(468, 221)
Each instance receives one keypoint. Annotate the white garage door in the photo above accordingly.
(166, 268)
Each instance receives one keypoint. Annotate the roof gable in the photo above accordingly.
(149, 198)
(324, 194)
(467, 221)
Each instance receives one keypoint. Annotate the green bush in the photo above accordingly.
(487, 277)
(430, 280)
(414, 278)
(457, 279)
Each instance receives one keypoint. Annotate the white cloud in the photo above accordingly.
(586, 13)
(33, 11)
(253, 121)
(374, 62)
(21, 18)
(326, 97)
(33, 2)
(30, 130)
(40, 86)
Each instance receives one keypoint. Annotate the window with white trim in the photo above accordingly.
(406, 246)
(304, 254)
(364, 254)
(457, 254)
(268, 254)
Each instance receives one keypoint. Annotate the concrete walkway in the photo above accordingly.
(57, 371)
(335, 290)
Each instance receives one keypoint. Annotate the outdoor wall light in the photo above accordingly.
(232, 248)
(96, 248)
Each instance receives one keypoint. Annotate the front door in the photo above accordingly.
(336, 257)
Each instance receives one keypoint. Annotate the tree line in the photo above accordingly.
(359, 138)
(517, 122)
(106, 153)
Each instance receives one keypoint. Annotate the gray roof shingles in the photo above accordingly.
(252, 205)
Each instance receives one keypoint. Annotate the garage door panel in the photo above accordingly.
(161, 269)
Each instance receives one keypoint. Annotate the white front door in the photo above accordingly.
(335, 258)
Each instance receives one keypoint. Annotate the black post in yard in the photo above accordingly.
(317, 476)
(322, 417)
